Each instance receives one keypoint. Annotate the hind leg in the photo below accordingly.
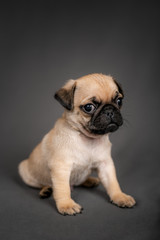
(26, 175)
(91, 182)
(45, 192)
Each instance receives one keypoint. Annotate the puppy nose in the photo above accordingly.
(110, 113)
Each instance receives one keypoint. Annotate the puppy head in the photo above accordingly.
(93, 104)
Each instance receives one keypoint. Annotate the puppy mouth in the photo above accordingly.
(112, 127)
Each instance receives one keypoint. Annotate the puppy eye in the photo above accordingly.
(89, 108)
(119, 102)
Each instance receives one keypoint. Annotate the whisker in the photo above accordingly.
(126, 122)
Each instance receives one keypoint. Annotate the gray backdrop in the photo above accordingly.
(45, 43)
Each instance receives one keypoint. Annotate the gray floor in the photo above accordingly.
(45, 44)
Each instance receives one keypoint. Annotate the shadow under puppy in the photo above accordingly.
(79, 143)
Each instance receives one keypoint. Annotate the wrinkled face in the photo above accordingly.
(94, 105)
(104, 117)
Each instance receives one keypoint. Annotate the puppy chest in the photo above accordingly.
(86, 156)
(79, 174)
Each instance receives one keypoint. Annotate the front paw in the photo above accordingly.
(69, 207)
(123, 200)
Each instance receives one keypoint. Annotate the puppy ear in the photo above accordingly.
(119, 87)
(65, 95)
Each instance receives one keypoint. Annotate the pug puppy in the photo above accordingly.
(79, 143)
